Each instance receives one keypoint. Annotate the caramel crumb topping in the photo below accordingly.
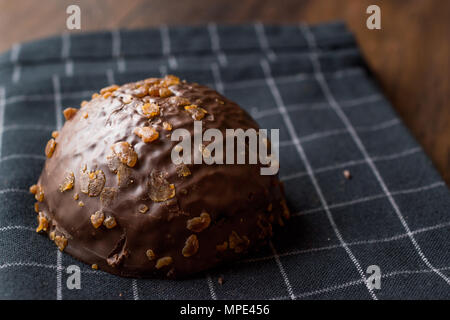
(36, 207)
(140, 91)
(43, 222)
(109, 89)
(34, 189)
(150, 254)
(76, 196)
(151, 81)
(183, 170)
(97, 219)
(160, 188)
(92, 182)
(83, 103)
(55, 134)
(196, 112)
(69, 180)
(170, 80)
(125, 152)
(52, 235)
(107, 196)
(121, 170)
(191, 246)
(150, 110)
(143, 208)
(239, 244)
(106, 95)
(39, 195)
(61, 242)
(147, 134)
(162, 262)
(95, 95)
(50, 148)
(81, 204)
(153, 91)
(167, 126)
(94, 266)
(179, 101)
(110, 222)
(69, 113)
(85, 115)
(164, 92)
(222, 247)
(127, 99)
(200, 223)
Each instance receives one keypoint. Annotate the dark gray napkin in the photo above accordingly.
(312, 84)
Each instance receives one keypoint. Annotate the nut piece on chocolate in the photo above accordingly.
(115, 200)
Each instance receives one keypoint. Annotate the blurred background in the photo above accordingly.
(409, 55)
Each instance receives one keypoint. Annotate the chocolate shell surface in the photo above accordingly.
(110, 195)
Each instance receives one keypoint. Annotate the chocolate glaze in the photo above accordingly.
(238, 200)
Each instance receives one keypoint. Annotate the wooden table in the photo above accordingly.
(409, 56)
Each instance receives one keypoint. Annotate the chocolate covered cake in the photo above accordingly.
(111, 196)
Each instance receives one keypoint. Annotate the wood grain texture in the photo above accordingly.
(409, 56)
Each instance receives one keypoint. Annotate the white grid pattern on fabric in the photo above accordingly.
(323, 134)
(282, 271)
(211, 287)
(335, 105)
(358, 282)
(301, 295)
(15, 228)
(279, 101)
(28, 127)
(163, 70)
(22, 156)
(218, 84)
(57, 101)
(135, 289)
(116, 51)
(353, 243)
(263, 41)
(373, 197)
(65, 54)
(14, 58)
(110, 76)
(352, 163)
(166, 46)
(258, 114)
(215, 44)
